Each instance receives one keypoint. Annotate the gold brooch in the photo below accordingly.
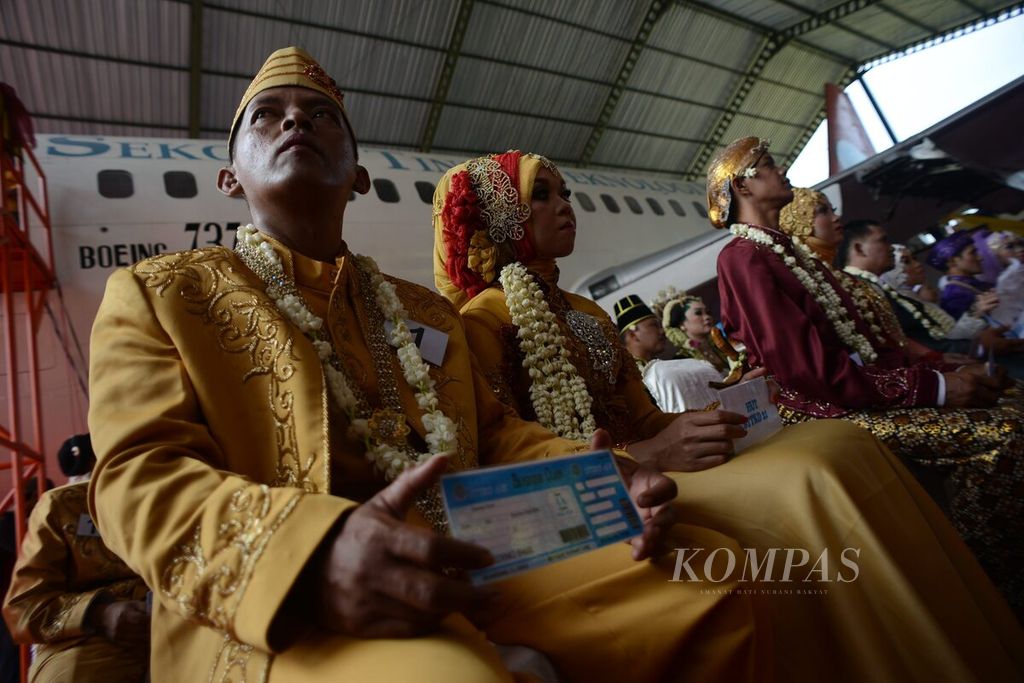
(388, 427)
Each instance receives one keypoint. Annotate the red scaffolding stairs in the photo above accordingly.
(27, 275)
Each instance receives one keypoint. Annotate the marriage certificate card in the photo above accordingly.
(534, 513)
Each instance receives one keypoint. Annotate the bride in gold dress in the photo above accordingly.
(920, 607)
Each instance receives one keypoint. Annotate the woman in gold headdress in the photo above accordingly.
(500, 223)
(831, 360)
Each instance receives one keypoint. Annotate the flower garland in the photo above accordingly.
(384, 430)
(937, 329)
(819, 288)
(558, 394)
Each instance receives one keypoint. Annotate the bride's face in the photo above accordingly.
(552, 220)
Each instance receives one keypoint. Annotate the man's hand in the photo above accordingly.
(652, 492)
(992, 338)
(124, 622)
(959, 359)
(692, 442)
(986, 302)
(970, 387)
(381, 577)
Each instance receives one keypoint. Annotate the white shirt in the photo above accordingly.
(681, 384)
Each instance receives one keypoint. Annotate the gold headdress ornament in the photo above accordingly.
(295, 67)
(797, 217)
(738, 159)
(478, 205)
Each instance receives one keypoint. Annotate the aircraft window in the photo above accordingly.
(116, 184)
(655, 206)
(586, 203)
(633, 205)
(425, 191)
(386, 190)
(700, 209)
(180, 184)
(610, 203)
(677, 207)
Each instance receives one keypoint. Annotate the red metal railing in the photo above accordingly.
(23, 270)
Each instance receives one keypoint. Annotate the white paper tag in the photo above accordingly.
(855, 357)
(431, 341)
(752, 399)
(85, 526)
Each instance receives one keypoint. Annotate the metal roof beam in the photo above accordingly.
(89, 55)
(771, 46)
(761, 28)
(195, 66)
(654, 12)
(323, 27)
(764, 29)
(381, 93)
(849, 76)
(831, 16)
(444, 79)
(110, 122)
(944, 35)
(813, 124)
(907, 19)
(971, 6)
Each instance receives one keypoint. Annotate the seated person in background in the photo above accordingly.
(812, 222)
(1006, 247)
(269, 437)
(865, 254)
(907, 278)
(818, 485)
(691, 329)
(957, 256)
(675, 385)
(799, 322)
(75, 599)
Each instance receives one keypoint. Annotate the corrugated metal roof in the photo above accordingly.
(553, 76)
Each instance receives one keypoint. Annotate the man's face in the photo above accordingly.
(967, 261)
(650, 337)
(290, 138)
(876, 251)
(770, 184)
(913, 268)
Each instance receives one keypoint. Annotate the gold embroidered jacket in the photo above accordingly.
(210, 419)
(59, 574)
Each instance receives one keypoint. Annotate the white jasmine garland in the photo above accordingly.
(559, 395)
(390, 460)
(937, 329)
(822, 291)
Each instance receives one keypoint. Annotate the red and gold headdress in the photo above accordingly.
(478, 205)
(738, 159)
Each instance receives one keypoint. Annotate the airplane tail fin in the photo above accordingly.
(848, 142)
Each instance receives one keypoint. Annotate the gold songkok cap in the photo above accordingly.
(739, 158)
(797, 217)
(291, 66)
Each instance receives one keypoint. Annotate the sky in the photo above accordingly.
(922, 88)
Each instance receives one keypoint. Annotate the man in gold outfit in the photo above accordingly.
(71, 596)
(259, 415)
